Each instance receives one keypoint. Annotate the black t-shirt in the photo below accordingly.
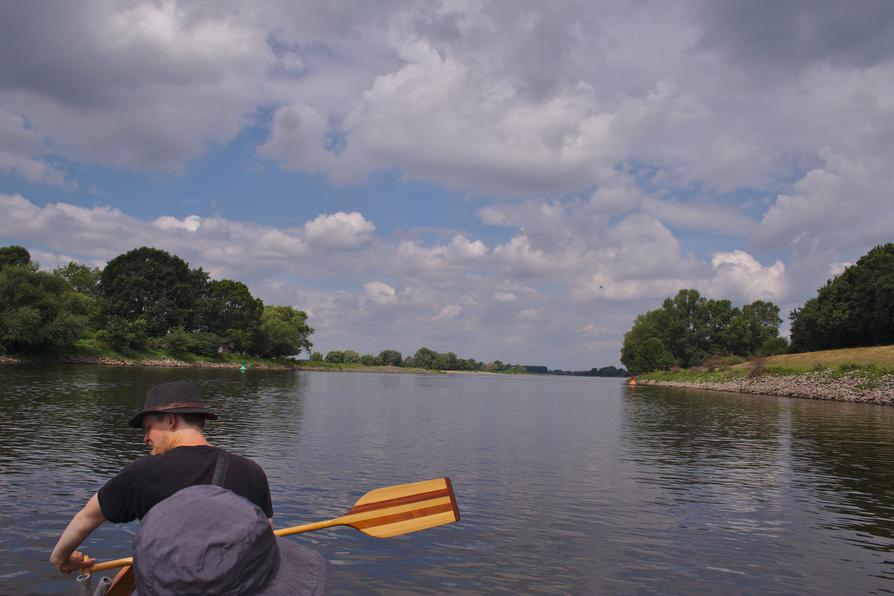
(151, 479)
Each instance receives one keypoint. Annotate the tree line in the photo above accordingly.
(854, 309)
(423, 358)
(144, 299)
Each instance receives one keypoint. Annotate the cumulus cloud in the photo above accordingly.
(450, 311)
(379, 292)
(739, 276)
(339, 230)
(21, 151)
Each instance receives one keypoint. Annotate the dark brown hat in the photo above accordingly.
(177, 397)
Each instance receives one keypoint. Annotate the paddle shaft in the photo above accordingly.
(380, 513)
(106, 565)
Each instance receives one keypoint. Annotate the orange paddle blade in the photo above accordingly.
(405, 508)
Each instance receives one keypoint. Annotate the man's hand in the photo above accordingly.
(76, 561)
(64, 556)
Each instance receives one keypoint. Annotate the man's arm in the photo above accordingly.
(64, 556)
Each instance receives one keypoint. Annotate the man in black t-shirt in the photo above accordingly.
(173, 420)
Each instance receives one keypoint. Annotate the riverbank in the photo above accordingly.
(151, 362)
(863, 375)
(817, 385)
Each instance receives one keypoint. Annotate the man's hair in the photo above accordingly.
(197, 420)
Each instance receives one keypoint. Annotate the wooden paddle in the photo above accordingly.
(381, 513)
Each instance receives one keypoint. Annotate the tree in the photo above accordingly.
(390, 358)
(650, 355)
(856, 308)
(761, 324)
(81, 278)
(152, 285)
(425, 358)
(229, 310)
(283, 332)
(14, 256)
(335, 356)
(691, 328)
(39, 312)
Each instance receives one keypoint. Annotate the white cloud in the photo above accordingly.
(379, 292)
(450, 311)
(190, 223)
(339, 230)
(740, 277)
(21, 149)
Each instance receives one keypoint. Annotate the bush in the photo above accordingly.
(123, 335)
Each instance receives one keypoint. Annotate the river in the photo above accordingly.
(565, 485)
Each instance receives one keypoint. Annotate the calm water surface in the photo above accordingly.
(565, 485)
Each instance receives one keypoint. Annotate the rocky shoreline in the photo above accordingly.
(166, 362)
(814, 385)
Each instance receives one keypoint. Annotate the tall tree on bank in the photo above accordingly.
(854, 309)
(283, 332)
(688, 328)
(39, 312)
(15, 255)
(228, 310)
(151, 285)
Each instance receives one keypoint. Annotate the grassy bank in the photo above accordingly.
(92, 351)
(868, 363)
(855, 375)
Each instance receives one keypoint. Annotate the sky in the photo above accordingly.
(511, 180)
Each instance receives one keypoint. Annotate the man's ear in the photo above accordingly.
(172, 421)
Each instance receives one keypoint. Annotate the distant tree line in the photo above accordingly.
(423, 358)
(605, 371)
(854, 309)
(144, 299)
(688, 329)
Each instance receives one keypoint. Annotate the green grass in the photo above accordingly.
(695, 375)
(868, 364)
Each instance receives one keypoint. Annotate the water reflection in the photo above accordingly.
(566, 485)
(760, 475)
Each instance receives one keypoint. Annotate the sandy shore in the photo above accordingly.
(809, 385)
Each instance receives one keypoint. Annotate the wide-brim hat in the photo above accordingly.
(176, 397)
(205, 539)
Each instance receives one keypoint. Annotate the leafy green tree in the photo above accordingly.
(651, 354)
(152, 285)
(283, 332)
(691, 328)
(369, 360)
(82, 279)
(123, 335)
(350, 356)
(335, 356)
(316, 357)
(646, 326)
(229, 310)
(425, 358)
(854, 309)
(39, 312)
(14, 256)
(390, 357)
(761, 324)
